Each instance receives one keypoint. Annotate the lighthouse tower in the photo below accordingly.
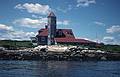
(51, 28)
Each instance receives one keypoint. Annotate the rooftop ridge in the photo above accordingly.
(51, 14)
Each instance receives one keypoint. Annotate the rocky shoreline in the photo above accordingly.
(71, 54)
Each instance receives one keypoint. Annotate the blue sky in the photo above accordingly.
(96, 20)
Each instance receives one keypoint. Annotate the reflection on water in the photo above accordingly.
(59, 69)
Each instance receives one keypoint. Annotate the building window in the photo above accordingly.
(42, 38)
(70, 33)
(60, 33)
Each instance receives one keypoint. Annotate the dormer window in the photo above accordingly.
(70, 33)
(60, 33)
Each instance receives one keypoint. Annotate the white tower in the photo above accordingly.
(51, 28)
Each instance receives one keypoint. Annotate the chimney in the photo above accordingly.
(46, 27)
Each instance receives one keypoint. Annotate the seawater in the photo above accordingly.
(59, 68)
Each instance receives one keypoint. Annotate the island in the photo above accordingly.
(24, 50)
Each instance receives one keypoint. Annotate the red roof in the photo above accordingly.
(66, 32)
(43, 32)
(72, 40)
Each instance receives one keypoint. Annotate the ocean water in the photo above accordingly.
(59, 69)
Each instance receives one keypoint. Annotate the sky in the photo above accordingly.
(95, 20)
